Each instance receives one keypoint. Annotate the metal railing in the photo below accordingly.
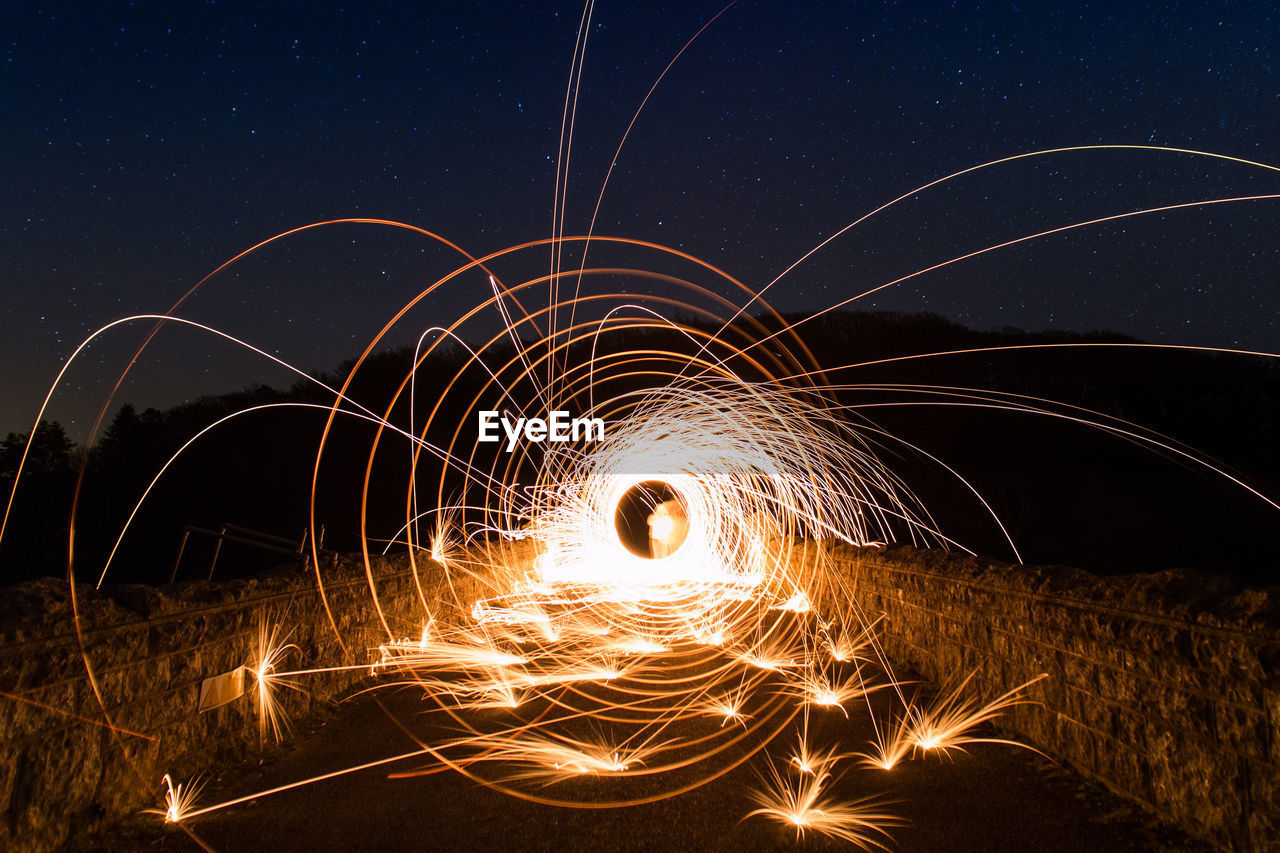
(244, 536)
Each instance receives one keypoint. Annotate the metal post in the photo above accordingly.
(186, 534)
(217, 549)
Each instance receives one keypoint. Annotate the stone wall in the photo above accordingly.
(1165, 687)
(66, 773)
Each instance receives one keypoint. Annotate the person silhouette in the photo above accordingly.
(668, 525)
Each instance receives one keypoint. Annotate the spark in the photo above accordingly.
(716, 635)
(474, 691)
(844, 648)
(271, 653)
(797, 801)
(774, 654)
(817, 689)
(946, 724)
(441, 654)
(798, 603)
(893, 744)
(638, 646)
(556, 759)
(814, 762)
(729, 707)
(442, 543)
(179, 799)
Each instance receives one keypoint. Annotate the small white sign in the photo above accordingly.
(221, 689)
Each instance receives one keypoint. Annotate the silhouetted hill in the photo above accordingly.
(1069, 492)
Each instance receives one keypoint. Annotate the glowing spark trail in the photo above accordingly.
(797, 801)
(179, 800)
(658, 606)
(661, 604)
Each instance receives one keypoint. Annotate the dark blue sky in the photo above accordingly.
(144, 144)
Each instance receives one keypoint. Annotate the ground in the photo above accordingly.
(992, 798)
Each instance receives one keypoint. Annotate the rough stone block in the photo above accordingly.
(1242, 730)
(1190, 712)
(1263, 827)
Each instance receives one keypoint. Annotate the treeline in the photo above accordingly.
(1068, 492)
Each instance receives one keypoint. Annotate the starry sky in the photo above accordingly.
(145, 143)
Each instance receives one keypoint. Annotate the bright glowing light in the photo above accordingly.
(797, 801)
(814, 762)
(269, 678)
(179, 799)
(442, 542)
(798, 603)
(947, 723)
(894, 744)
(727, 707)
(552, 759)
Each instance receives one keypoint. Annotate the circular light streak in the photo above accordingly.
(583, 657)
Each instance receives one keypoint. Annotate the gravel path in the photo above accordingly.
(992, 798)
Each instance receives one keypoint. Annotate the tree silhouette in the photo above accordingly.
(52, 452)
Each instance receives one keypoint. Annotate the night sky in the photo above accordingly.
(144, 144)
